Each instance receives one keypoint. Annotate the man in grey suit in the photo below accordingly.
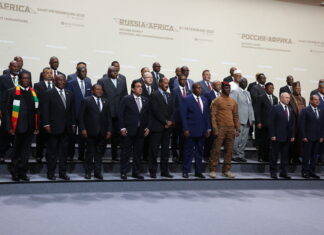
(115, 89)
(246, 116)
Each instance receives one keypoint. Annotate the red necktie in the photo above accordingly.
(286, 112)
(184, 91)
(209, 87)
(199, 103)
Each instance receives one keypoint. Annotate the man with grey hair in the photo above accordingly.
(246, 116)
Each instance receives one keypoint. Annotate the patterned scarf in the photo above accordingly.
(16, 107)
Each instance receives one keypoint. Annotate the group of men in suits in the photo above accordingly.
(201, 117)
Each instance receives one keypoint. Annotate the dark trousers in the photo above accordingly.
(281, 148)
(146, 147)
(193, 146)
(264, 143)
(20, 153)
(96, 146)
(57, 147)
(115, 138)
(310, 150)
(295, 149)
(5, 140)
(159, 138)
(41, 139)
(177, 141)
(131, 146)
(208, 146)
(74, 138)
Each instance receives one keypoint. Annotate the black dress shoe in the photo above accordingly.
(153, 175)
(15, 178)
(51, 177)
(87, 176)
(81, 158)
(200, 175)
(285, 176)
(243, 159)
(167, 175)
(236, 159)
(274, 176)
(64, 177)
(98, 176)
(115, 159)
(39, 160)
(305, 175)
(137, 176)
(123, 176)
(24, 177)
(314, 176)
(185, 175)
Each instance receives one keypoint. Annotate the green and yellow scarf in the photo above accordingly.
(16, 107)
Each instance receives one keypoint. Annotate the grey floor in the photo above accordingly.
(165, 212)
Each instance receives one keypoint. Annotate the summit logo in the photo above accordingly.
(16, 7)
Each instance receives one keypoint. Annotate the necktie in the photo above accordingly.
(316, 113)
(165, 97)
(14, 80)
(98, 104)
(82, 88)
(157, 76)
(270, 98)
(54, 74)
(286, 112)
(49, 85)
(183, 91)
(63, 98)
(138, 102)
(199, 104)
(209, 87)
(149, 90)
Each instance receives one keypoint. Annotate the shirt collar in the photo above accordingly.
(135, 96)
(58, 89)
(96, 98)
(24, 89)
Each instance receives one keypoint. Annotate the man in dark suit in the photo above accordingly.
(147, 83)
(185, 71)
(196, 126)
(95, 126)
(288, 87)
(59, 121)
(156, 72)
(114, 90)
(311, 128)
(7, 81)
(231, 77)
(210, 96)
(54, 64)
(205, 83)
(320, 93)
(313, 92)
(171, 82)
(282, 133)
(40, 89)
(20, 62)
(162, 121)
(134, 127)
(21, 121)
(252, 84)
(117, 66)
(80, 88)
(262, 111)
(177, 133)
(73, 76)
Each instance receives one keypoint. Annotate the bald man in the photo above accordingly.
(282, 133)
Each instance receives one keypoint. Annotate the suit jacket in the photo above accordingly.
(205, 87)
(228, 79)
(244, 103)
(7, 71)
(256, 91)
(193, 120)
(156, 79)
(54, 113)
(161, 112)
(189, 82)
(5, 84)
(210, 96)
(113, 94)
(310, 126)
(279, 126)
(145, 92)
(131, 118)
(27, 111)
(118, 76)
(40, 89)
(252, 84)
(171, 83)
(284, 89)
(263, 108)
(41, 75)
(177, 99)
(73, 76)
(73, 86)
(93, 120)
(321, 106)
